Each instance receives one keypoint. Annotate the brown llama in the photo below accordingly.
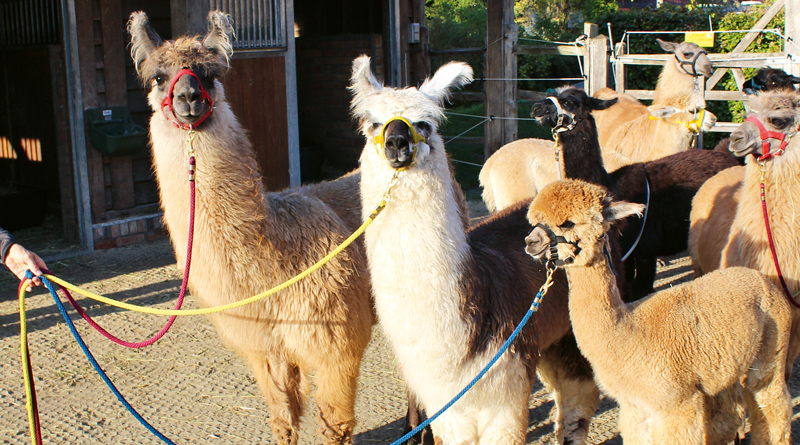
(247, 240)
(667, 357)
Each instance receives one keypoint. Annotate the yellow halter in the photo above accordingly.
(693, 125)
(379, 139)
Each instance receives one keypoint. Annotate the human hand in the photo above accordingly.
(20, 259)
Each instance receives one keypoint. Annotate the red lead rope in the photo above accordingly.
(772, 248)
(167, 102)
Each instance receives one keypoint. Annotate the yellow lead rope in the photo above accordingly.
(23, 337)
(236, 304)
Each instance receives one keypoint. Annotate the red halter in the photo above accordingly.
(167, 102)
(765, 139)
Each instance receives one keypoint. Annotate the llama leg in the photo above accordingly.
(683, 424)
(769, 405)
(724, 416)
(414, 417)
(633, 425)
(794, 343)
(568, 376)
(506, 425)
(284, 388)
(645, 275)
(336, 399)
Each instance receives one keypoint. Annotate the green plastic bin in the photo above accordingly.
(113, 133)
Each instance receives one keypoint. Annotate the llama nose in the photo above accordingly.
(398, 148)
(535, 244)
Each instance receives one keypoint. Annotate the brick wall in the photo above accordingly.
(128, 232)
(323, 73)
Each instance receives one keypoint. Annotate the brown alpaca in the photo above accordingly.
(247, 241)
(672, 359)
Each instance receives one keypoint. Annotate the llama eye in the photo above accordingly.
(158, 80)
(688, 55)
(423, 127)
(779, 122)
(376, 125)
(566, 225)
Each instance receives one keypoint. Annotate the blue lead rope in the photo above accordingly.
(534, 307)
(94, 363)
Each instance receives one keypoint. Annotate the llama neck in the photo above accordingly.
(230, 210)
(672, 81)
(596, 310)
(782, 198)
(417, 252)
(581, 155)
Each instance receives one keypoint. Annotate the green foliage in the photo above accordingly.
(457, 24)
(734, 110)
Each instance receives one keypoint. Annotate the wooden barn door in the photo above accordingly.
(256, 86)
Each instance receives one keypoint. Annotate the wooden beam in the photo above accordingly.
(530, 95)
(739, 60)
(462, 95)
(792, 31)
(501, 63)
(563, 50)
(746, 41)
(444, 52)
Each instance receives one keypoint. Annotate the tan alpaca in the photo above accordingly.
(676, 78)
(727, 222)
(247, 241)
(518, 170)
(666, 357)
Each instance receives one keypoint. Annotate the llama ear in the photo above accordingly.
(616, 210)
(449, 76)
(362, 81)
(220, 34)
(662, 111)
(667, 46)
(594, 103)
(143, 39)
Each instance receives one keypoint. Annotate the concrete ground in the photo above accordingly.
(188, 385)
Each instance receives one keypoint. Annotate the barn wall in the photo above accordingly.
(324, 64)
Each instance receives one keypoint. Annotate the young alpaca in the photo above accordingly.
(679, 76)
(662, 358)
(447, 297)
(727, 219)
(247, 240)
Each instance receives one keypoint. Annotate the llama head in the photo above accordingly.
(567, 107)
(402, 122)
(687, 110)
(570, 219)
(771, 127)
(769, 79)
(689, 58)
(183, 75)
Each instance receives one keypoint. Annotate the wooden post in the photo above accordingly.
(501, 63)
(419, 59)
(792, 30)
(595, 59)
(619, 68)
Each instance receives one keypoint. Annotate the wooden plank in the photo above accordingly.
(116, 90)
(247, 85)
(464, 95)
(530, 95)
(84, 31)
(452, 51)
(746, 41)
(66, 176)
(792, 31)
(563, 50)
